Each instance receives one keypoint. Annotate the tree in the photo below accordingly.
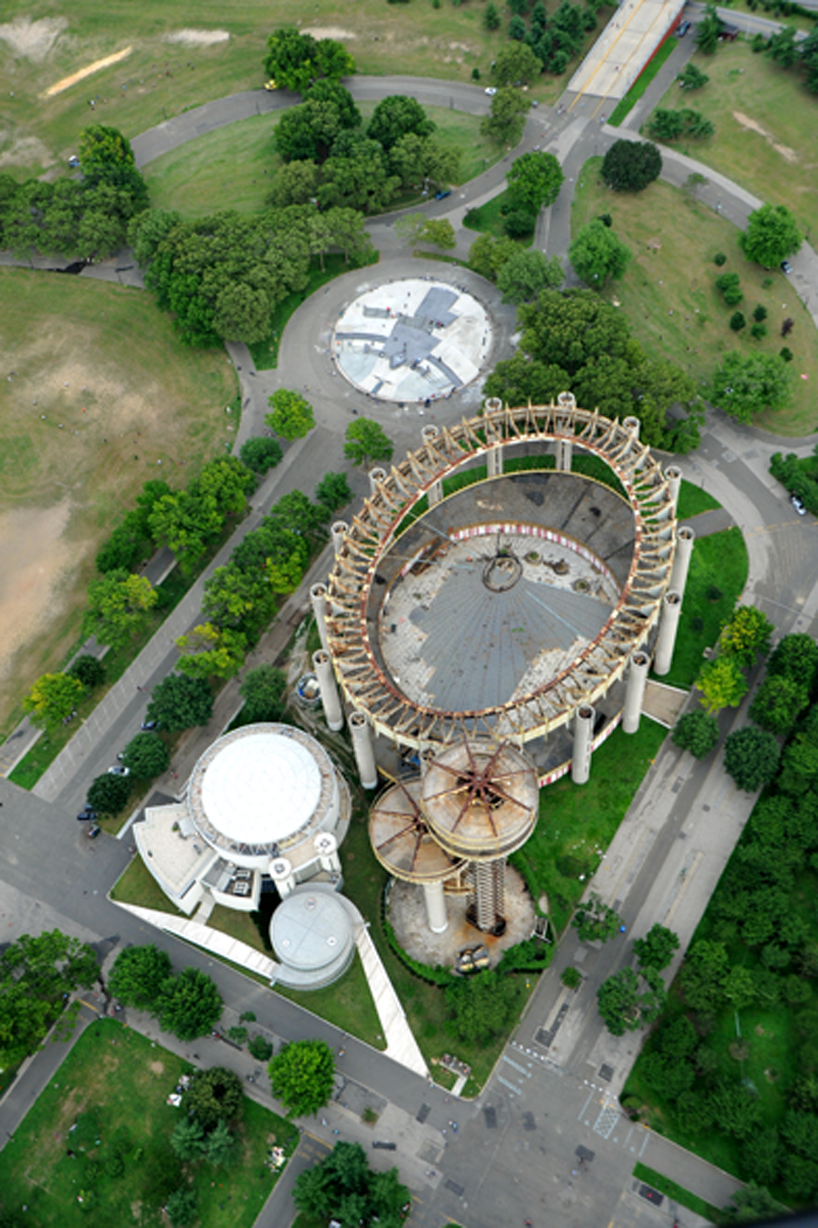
(748, 383)
(260, 453)
(147, 756)
(708, 30)
(301, 1076)
(186, 522)
(629, 166)
(746, 635)
(367, 442)
(656, 949)
(209, 651)
(188, 1139)
(629, 1000)
(343, 1187)
(260, 1048)
(101, 147)
(439, 232)
(292, 59)
(189, 1005)
(782, 47)
(522, 278)
(491, 18)
(692, 78)
(515, 62)
(696, 732)
(181, 1207)
(36, 975)
(482, 1006)
(795, 657)
(703, 975)
(666, 125)
(569, 329)
(394, 117)
(751, 757)
(778, 703)
(730, 286)
(735, 1108)
(214, 1095)
(52, 699)
(291, 417)
(772, 234)
(220, 1148)
(89, 670)
(108, 794)
(504, 125)
(333, 492)
(808, 51)
(178, 702)
(598, 255)
(595, 921)
(752, 1203)
(357, 175)
(264, 691)
(534, 180)
(138, 975)
(722, 684)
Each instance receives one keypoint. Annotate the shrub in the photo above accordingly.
(237, 1035)
(697, 733)
(260, 453)
(737, 321)
(786, 353)
(475, 74)
(571, 978)
(260, 1048)
(758, 331)
(760, 313)
(606, 219)
(720, 259)
(519, 222)
(730, 286)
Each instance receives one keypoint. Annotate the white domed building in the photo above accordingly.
(264, 804)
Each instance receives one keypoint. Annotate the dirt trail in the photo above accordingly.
(88, 71)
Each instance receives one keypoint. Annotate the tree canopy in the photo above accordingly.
(291, 415)
(146, 755)
(482, 1006)
(214, 1095)
(594, 920)
(721, 683)
(138, 975)
(178, 702)
(367, 443)
(343, 1187)
(260, 453)
(772, 234)
(534, 180)
(396, 116)
(598, 255)
(189, 1005)
(264, 691)
(745, 384)
(629, 1000)
(118, 605)
(36, 974)
(52, 699)
(656, 949)
(696, 732)
(751, 757)
(746, 635)
(108, 794)
(301, 1076)
(515, 61)
(506, 119)
(295, 60)
(527, 273)
(629, 166)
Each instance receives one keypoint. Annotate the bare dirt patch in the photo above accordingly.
(25, 151)
(197, 38)
(33, 562)
(33, 39)
(335, 32)
(753, 126)
(87, 71)
(158, 1068)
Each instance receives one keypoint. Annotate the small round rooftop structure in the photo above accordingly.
(417, 339)
(312, 936)
(261, 791)
(401, 840)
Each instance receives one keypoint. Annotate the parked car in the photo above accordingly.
(443, 193)
(147, 726)
(490, 90)
(683, 29)
(93, 832)
(798, 504)
(73, 161)
(786, 267)
(119, 770)
(86, 813)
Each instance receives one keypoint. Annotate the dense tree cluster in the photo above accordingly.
(86, 217)
(191, 520)
(482, 1006)
(545, 44)
(667, 125)
(343, 1188)
(756, 948)
(629, 166)
(744, 637)
(188, 1005)
(36, 976)
(746, 384)
(295, 60)
(576, 342)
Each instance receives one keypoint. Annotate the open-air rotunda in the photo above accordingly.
(500, 598)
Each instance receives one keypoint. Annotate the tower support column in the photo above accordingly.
(318, 600)
(583, 738)
(668, 626)
(685, 537)
(435, 907)
(635, 691)
(330, 699)
(363, 745)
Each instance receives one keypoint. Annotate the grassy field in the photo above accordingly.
(234, 167)
(577, 822)
(693, 500)
(159, 79)
(100, 397)
(109, 1098)
(669, 295)
(765, 128)
(488, 219)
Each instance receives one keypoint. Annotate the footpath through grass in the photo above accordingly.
(106, 1108)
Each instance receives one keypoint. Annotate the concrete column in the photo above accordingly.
(430, 433)
(330, 699)
(326, 846)
(668, 625)
(363, 745)
(632, 425)
(318, 598)
(493, 405)
(685, 538)
(281, 872)
(583, 737)
(674, 481)
(495, 461)
(435, 907)
(338, 532)
(376, 476)
(435, 492)
(565, 450)
(635, 691)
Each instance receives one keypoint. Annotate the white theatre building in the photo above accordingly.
(264, 803)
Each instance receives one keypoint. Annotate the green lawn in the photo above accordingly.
(717, 576)
(765, 127)
(488, 219)
(669, 295)
(577, 822)
(108, 1098)
(678, 1193)
(136, 885)
(348, 1004)
(693, 500)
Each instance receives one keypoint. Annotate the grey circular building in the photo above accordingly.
(312, 936)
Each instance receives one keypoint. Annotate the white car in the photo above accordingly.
(798, 504)
(490, 90)
(119, 770)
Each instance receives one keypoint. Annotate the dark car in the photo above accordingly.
(93, 832)
(443, 194)
(683, 29)
(786, 267)
(86, 813)
(147, 726)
